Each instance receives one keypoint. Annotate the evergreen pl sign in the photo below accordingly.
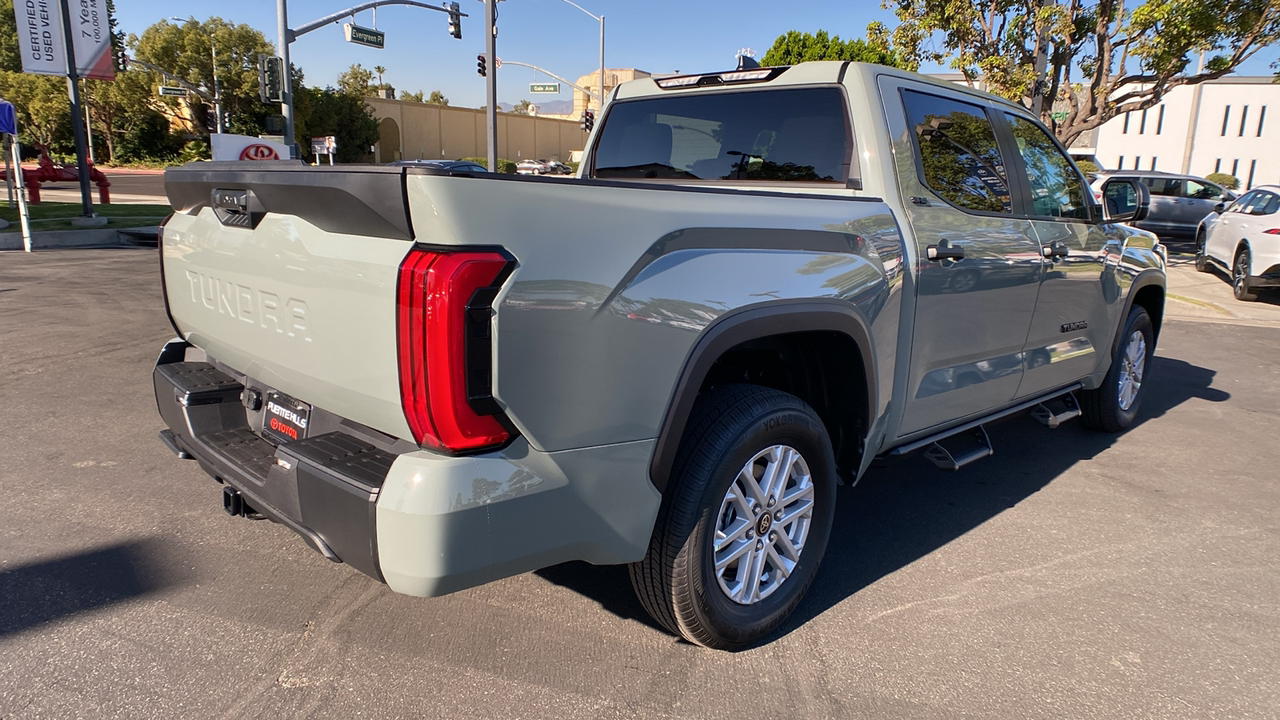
(365, 36)
(41, 38)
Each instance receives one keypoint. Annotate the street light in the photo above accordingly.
(600, 18)
(217, 95)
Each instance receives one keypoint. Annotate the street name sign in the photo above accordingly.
(365, 36)
(168, 91)
(553, 88)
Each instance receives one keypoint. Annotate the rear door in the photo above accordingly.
(1168, 212)
(1079, 299)
(972, 312)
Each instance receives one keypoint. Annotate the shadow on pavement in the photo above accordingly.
(897, 515)
(58, 588)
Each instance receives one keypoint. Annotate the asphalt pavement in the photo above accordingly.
(128, 187)
(1071, 575)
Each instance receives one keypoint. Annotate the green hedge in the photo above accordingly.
(504, 166)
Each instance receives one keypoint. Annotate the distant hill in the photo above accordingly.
(554, 107)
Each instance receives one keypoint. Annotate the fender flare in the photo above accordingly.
(739, 326)
(1144, 279)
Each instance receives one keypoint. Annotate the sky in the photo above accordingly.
(658, 36)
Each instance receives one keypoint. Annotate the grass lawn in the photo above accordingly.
(57, 216)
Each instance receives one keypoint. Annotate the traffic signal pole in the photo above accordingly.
(491, 80)
(286, 80)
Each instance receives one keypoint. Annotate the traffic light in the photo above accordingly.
(480, 65)
(270, 79)
(122, 61)
(588, 120)
(455, 20)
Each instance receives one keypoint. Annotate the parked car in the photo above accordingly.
(532, 167)
(1178, 202)
(446, 380)
(453, 165)
(1243, 239)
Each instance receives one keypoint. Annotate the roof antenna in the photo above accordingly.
(746, 59)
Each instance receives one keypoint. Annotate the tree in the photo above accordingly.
(1230, 182)
(117, 107)
(355, 81)
(407, 96)
(379, 69)
(438, 98)
(333, 112)
(1102, 60)
(794, 47)
(524, 107)
(186, 52)
(10, 56)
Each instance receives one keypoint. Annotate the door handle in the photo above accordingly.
(944, 250)
(1055, 250)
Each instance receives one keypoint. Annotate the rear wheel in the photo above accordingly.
(1202, 259)
(1240, 277)
(744, 521)
(1113, 406)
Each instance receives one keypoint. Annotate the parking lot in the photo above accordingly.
(1072, 575)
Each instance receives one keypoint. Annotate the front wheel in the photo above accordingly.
(1202, 258)
(1113, 406)
(744, 521)
(1240, 278)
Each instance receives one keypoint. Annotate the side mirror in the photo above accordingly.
(1219, 208)
(1125, 201)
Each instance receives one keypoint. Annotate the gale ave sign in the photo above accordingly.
(365, 36)
(553, 88)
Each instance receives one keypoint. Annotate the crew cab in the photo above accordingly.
(760, 281)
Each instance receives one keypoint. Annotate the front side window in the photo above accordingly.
(957, 149)
(1202, 191)
(794, 135)
(1056, 188)
(1242, 203)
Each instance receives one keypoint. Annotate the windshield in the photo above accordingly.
(793, 135)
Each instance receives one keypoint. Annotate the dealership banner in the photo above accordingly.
(41, 39)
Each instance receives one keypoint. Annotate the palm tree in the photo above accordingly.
(379, 69)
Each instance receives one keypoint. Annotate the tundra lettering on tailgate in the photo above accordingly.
(255, 307)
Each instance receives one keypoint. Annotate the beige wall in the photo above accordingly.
(439, 132)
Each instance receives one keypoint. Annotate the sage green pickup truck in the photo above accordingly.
(761, 281)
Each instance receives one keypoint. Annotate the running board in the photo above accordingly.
(1052, 413)
(907, 449)
(953, 461)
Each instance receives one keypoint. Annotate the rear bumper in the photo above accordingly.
(425, 524)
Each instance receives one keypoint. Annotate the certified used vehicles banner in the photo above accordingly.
(41, 37)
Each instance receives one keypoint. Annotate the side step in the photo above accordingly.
(1053, 413)
(952, 461)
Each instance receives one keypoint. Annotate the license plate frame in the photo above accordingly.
(284, 418)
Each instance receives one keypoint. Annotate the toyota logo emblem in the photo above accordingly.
(258, 151)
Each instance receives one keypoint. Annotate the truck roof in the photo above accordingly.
(806, 73)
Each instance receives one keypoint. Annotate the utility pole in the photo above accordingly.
(491, 80)
(286, 82)
(77, 119)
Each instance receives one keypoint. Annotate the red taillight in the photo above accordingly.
(1272, 231)
(436, 335)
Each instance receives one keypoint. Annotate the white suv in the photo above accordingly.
(1244, 240)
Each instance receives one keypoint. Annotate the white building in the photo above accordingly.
(1232, 131)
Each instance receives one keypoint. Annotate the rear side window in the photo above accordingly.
(1163, 187)
(794, 135)
(1056, 188)
(957, 149)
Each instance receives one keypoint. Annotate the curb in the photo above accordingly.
(110, 237)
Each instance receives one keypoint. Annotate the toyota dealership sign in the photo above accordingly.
(243, 147)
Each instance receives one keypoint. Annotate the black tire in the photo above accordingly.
(1202, 259)
(676, 581)
(1102, 408)
(1240, 277)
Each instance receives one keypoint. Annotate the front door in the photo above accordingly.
(972, 312)
(1076, 313)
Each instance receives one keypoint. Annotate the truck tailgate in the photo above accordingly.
(280, 272)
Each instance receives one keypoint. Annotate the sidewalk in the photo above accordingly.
(1206, 297)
